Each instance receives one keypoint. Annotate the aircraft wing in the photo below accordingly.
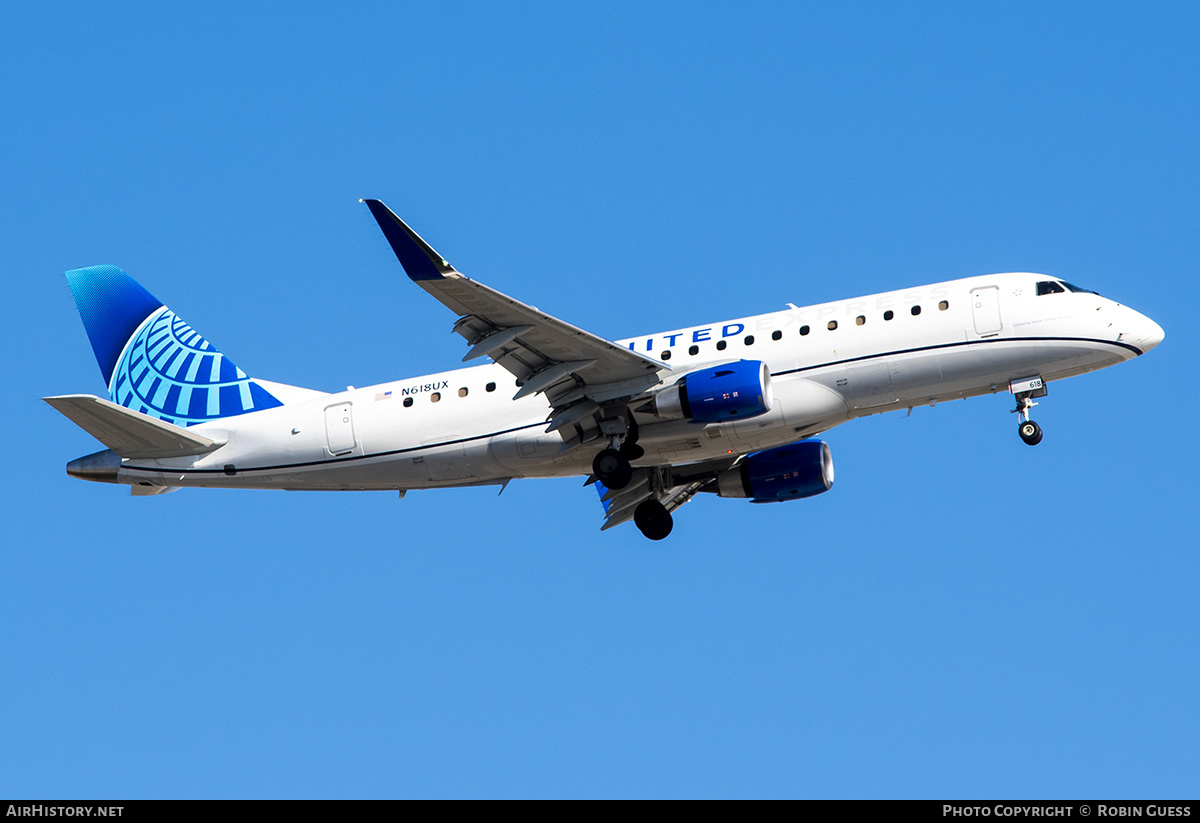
(575, 369)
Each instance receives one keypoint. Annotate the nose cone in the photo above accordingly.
(1146, 333)
(100, 467)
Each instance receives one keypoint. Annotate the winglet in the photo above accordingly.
(419, 259)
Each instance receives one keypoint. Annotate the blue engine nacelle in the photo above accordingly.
(718, 394)
(787, 473)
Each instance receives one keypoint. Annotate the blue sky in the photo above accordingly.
(961, 616)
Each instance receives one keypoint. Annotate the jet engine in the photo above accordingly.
(790, 472)
(718, 394)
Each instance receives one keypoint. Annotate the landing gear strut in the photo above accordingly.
(1025, 391)
(653, 519)
(611, 466)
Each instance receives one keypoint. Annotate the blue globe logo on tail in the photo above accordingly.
(152, 360)
(169, 371)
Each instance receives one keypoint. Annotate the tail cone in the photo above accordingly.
(100, 467)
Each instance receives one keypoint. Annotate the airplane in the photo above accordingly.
(730, 408)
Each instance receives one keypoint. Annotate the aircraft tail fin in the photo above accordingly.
(152, 361)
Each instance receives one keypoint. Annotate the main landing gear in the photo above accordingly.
(653, 519)
(612, 466)
(612, 469)
(1025, 391)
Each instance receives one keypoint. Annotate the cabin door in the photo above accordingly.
(339, 428)
(985, 306)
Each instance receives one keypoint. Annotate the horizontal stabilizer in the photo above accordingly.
(129, 433)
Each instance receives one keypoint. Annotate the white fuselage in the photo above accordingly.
(457, 428)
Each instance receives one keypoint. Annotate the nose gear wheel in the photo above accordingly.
(1029, 431)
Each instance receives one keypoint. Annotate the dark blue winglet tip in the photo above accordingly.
(418, 258)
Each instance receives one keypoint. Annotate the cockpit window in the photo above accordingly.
(1049, 287)
(1076, 288)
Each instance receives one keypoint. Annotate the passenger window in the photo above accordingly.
(665, 355)
(490, 387)
(436, 396)
(915, 310)
(804, 330)
(943, 305)
(888, 315)
(693, 350)
(749, 341)
(860, 320)
(462, 392)
(832, 325)
(776, 335)
(407, 402)
(721, 344)
(1049, 287)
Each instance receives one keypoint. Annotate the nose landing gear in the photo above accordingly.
(1025, 390)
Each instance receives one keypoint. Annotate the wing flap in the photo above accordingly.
(127, 432)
